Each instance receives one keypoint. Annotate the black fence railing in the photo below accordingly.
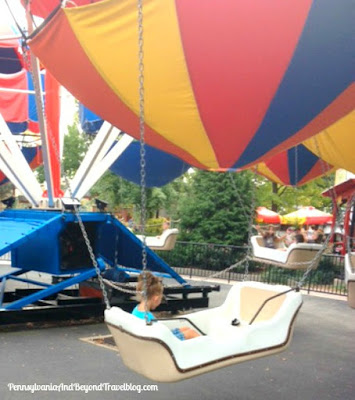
(204, 260)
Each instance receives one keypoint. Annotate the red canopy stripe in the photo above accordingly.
(14, 106)
(253, 46)
(278, 165)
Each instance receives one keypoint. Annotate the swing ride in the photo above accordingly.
(182, 104)
(296, 256)
(166, 241)
(260, 331)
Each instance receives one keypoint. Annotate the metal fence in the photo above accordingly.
(204, 260)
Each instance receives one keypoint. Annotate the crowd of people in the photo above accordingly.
(272, 240)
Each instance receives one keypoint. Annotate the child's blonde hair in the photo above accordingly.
(152, 285)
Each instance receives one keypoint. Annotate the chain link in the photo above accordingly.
(241, 262)
(249, 216)
(326, 242)
(121, 287)
(75, 207)
(142, 153)
(250, 226)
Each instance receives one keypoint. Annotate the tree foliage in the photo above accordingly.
(285, 199)
(213, 212)
(118, 193)
(76, 144)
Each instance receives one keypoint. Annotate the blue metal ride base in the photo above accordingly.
(52, 242)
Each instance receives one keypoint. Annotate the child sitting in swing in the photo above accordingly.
(154, 289)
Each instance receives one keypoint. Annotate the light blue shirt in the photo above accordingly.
(141, 314)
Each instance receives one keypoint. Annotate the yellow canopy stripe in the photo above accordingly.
(170, 105)
(334, 145)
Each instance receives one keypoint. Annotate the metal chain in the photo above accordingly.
(250, 227)
(241, 262)
(249, 217)
(76, 209)
(121, 287)
(326, 242)
(142, 154)
(313, 262)
(239, 197)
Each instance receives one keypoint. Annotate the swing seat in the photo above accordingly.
(349, 264)
(166, 241)
(156, 353)
(296, 256)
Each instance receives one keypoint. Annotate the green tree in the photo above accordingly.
(213, 212)
(76, 144)
(120, 193)
(116, 191)
(285, 199)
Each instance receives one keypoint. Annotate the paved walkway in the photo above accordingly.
(319, 364)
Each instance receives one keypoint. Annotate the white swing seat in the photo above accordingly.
(349, 265)
(166, 241)
(154, 352)
(296, 256)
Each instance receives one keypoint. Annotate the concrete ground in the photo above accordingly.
(319, 364)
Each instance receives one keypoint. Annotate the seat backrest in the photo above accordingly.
(251, 299)
(259, 241)
(166, 241)
(303, 252)
(245, 300)
(230, 306)
(169, 237)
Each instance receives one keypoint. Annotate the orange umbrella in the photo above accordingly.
(306, 216)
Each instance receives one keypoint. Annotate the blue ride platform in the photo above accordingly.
(52, 242)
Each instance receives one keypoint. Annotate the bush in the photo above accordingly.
(154, 226)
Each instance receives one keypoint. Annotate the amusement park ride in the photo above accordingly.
(46, 238)
(222, 85)
(296, 122)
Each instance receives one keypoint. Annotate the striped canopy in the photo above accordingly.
(294, 167)
(33, 156)
(160, 167)
(42, 8)
(18, 102)
(227, 82)
(19, 109)
(11, 59)
(16, 106)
